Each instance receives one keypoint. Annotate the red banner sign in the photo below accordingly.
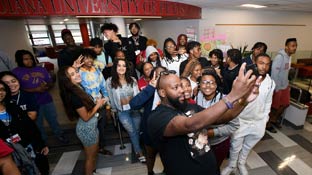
(26, 8)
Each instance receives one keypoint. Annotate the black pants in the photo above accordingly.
(42, 164)
(101, 127)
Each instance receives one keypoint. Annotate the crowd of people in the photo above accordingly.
(191, 110)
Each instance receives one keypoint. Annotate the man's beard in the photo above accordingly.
(177, 104)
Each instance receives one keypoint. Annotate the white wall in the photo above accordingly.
(273, 36)
(13, 36)
(159, 30)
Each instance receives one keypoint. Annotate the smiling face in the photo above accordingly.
(2, 93)
(196, 72)
(134, 30)
(12, 82)
(183, 40)
(121, 67)
(153, 56)
(88, 62)
(214, 60)
(170, 47)
(208, 86)
(74, 75)
(187, 88)
(147, 69)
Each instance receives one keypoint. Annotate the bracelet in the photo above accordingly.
(228, 104)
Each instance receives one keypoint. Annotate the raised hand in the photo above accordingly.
(153, 81)
(78, 63)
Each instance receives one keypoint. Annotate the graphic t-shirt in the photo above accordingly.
(182, 154)
(34, 77)
(25, 100)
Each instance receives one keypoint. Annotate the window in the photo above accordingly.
(74, 28)
(38, 35)
(41, 35)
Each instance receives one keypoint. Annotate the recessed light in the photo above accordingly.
(61, 22)
(66, 19)
(253, 6)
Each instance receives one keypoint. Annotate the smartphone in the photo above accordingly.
(254, 69)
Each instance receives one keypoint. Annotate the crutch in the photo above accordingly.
(117, 124)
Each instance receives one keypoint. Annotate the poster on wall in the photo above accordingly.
(191, 34)
(211, 40)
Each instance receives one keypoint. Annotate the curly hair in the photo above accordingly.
(218, 80)
(19, 57)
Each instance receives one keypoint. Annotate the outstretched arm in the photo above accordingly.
(242, 86)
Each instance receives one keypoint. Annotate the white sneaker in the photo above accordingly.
(228, 170)
(242, 169)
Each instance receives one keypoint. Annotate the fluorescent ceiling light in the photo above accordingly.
(62, 22)
(118, 16)
(253, 6)
(66, 19)
(139, 19)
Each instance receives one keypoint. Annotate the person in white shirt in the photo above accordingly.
(172, 59)
(252, 119)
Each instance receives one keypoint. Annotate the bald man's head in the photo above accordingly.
(165, 78)
(170, 91)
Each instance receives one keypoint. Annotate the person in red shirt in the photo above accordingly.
(7, 165)
(144, 80)
(186, 85)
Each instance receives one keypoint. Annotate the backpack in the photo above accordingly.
(23, 160)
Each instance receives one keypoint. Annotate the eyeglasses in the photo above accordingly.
(208, 83)
(171, 47)
(166, 72)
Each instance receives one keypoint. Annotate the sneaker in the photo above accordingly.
(63, 139)
(228, 170)
(271, 129)
(142, 159)
(242, 169)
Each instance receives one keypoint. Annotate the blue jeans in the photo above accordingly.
(130, 120)
(49, 112)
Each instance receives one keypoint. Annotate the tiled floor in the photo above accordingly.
(287, 152)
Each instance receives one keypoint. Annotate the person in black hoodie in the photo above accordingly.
(116, 42)
(16, 126)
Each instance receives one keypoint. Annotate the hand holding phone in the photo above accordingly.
(254, 69)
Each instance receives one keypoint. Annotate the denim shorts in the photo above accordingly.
(87, 132)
